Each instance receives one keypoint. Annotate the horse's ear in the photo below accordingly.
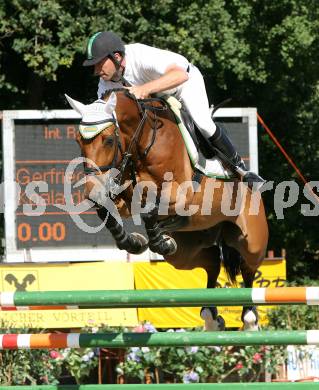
(111, 103)
(78, 106)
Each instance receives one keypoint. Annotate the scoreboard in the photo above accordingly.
(37, 148)
(43, 151)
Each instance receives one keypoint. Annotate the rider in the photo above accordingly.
(147, 70)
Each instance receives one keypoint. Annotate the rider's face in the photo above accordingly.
(105, 69)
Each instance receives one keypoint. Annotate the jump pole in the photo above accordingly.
(167, 339)
(161, 298)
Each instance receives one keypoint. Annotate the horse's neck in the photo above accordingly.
(128, 115)
(159, 136)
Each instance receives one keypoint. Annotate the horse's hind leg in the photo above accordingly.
(249, 315)
(213, 321)
(251, 247)
(234, 264)
(191, 253)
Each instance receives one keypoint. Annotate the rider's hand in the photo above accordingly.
(139, 91)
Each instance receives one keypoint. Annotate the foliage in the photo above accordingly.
(200, 364)
(80, 362)
(293, 317)
(28, 367)
(261, 53)
(18, 367)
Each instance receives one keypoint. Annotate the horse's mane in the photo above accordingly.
(108, 92)
(140, 102)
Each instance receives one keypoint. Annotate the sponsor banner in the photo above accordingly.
(68, 277)
(162, 275)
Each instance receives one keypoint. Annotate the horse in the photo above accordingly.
(140, 139)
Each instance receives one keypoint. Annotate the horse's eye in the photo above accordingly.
(109, 141)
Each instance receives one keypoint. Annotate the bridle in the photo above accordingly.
(118, 145)
(127, 160)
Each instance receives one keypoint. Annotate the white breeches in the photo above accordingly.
(193, 95)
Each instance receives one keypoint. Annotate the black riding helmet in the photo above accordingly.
(103, 44)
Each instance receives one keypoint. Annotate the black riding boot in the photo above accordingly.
(226, 151)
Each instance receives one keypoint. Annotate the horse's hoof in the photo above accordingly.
(213, 322)
(250, 321)
(135, 244)
(142, 243)
(166, 246)
(170, 244)
(253, 328)
(221, 323)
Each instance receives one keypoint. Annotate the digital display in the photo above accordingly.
(42, 153)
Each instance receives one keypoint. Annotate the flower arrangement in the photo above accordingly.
(21, 367)
(197, 364)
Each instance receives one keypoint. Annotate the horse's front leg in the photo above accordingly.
(159, 242)
(133, 243)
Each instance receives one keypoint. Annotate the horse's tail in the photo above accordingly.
(232, 260)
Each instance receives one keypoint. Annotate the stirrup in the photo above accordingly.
(253, 181)
(225, 150)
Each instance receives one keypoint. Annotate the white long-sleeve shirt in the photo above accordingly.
(143, 64)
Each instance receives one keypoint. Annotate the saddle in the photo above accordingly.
(199, 140)
(200, 153)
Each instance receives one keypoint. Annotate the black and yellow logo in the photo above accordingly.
(19, 281)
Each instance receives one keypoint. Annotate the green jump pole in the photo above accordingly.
(171, 339)
(164, 298)
(178, 386)
(160, 339)
(135, 298)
